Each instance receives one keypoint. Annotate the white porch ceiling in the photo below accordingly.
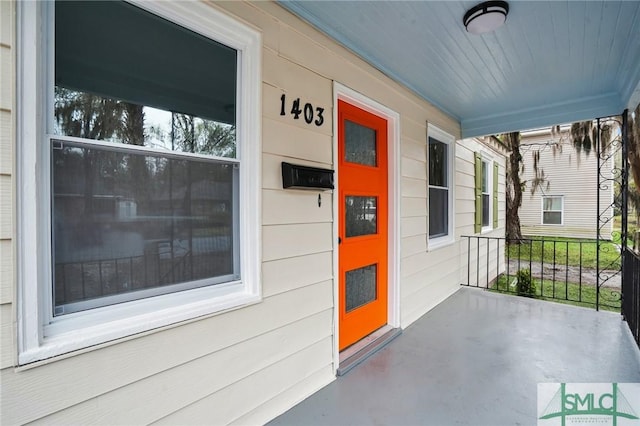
(552, 62)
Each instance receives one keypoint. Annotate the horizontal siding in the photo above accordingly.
(284, 241)
(6, 195)
(301, 207)
(300, 143)
(7, 326)
(255, 389)
(412, 207)
(283, 275)
(6, 86)
(6, 148)
(136, 359)
(6, 271)
(413, 149)
(203, 377)
(6, 23)
(6, 336)
(290, 397)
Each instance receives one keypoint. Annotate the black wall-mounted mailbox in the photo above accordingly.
(304, 177)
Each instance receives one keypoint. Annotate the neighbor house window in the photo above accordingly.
(552, 210)
(148, 144)
(486, 192)
(440, 163)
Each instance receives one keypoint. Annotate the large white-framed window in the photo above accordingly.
(139, 169)
(553, 210)
(441, 156)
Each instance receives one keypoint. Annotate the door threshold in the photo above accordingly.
(360, 351)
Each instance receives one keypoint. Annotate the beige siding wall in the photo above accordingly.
(571, 175)
(250, 364)
(7, 119)
(481, 259)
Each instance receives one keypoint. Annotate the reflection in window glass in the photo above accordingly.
(360, 144)
(552, 210)
(127, 222)
(437, 163)
(361, 215)
(138, 217)
(438, 188)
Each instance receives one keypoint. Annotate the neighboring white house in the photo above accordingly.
(566, 204)
(167, 279)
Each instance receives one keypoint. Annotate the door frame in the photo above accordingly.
(393, 227)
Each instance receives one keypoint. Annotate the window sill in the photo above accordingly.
(437, 243)
(128, 320)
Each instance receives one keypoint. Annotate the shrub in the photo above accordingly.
(525, 285)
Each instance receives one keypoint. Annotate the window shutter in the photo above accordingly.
(478, 193)
(495, 195)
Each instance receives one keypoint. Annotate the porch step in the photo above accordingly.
(367, 351)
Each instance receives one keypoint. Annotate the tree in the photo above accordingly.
(514, 185)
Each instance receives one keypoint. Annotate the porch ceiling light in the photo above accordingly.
(486, 17)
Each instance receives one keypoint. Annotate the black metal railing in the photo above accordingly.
(631, 292)
(550, 269)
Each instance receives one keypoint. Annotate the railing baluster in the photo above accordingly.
(477, 262)
(488, 246)
(566, 274)
(580, 277)
(497, 263)
(554, 269)
(544, 243)
(468, 260)
(507, 247)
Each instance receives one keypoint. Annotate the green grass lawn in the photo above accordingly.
(570, 293)
(567, 251)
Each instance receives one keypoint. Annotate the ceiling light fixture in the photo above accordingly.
(486, 17)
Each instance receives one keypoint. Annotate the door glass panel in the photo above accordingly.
(361, 216)
(359, 144)
(361, 286)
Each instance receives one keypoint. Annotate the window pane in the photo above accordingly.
(360, 287)
(438, 212)
(437, 163)
(485, 177)
(361, 214)
(485, 210)
(552, 203)
(552, 218)
(150, 83)
(360, 144)
(135, 224)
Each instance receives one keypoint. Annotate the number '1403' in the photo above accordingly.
(308, 112)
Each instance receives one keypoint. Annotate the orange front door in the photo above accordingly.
(362, 192)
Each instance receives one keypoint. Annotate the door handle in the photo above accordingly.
(339, 240)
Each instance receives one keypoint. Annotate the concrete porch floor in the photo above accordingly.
(476, 359)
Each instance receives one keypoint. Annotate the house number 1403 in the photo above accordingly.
(308, 112)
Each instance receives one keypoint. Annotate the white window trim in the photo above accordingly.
(449, 140)
(486, 158)
(84, 329)
(542, 210)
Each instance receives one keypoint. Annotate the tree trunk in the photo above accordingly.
(513, 187)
